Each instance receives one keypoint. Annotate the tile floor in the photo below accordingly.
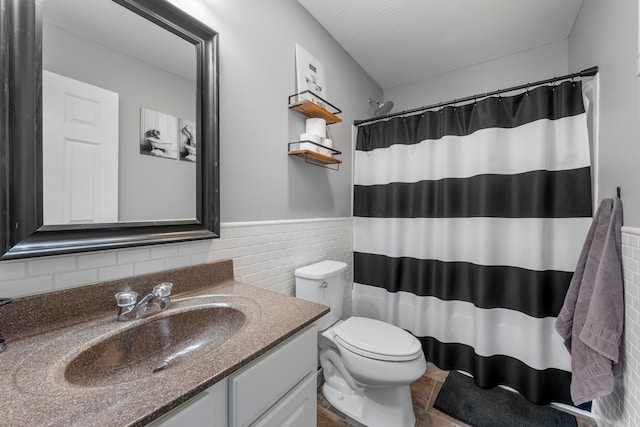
(424, 393)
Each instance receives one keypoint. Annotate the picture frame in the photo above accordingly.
(310, 76)
(187, 139)
(159, 134)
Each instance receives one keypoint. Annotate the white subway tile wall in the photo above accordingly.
(265, 254)
(622, 407)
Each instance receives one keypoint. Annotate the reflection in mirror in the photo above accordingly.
(119, 113)
(151, 115)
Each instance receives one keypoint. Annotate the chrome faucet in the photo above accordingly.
(3, 345)
(156, 300)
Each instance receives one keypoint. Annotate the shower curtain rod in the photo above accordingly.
(584, 73)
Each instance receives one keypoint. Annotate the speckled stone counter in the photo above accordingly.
(46, 332)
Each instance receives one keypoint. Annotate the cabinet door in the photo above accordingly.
(208, 409)
(260, 385)
(297, 409)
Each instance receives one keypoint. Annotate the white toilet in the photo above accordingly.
(367, 364)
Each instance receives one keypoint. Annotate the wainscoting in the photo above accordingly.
(622, 407)
(265, 254)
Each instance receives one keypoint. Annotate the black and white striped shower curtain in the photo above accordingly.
(468, 225)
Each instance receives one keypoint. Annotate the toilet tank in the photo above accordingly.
(323, 283)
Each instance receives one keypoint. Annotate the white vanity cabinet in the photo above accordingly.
(277, 389)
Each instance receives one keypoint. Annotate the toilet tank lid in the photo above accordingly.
(321, 270)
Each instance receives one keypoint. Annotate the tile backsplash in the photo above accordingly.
(622, 407)
(264, 254)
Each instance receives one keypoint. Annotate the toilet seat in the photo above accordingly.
(377, 340)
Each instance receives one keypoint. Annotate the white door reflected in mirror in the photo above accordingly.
(80, 152)
(104, 44)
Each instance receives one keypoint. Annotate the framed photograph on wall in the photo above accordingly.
(158, 134)
(187, 138)
(310, 76)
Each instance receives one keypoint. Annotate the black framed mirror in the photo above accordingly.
(22, 230)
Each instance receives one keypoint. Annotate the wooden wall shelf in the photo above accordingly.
(316, 158)
(300, 103)
(310, 109)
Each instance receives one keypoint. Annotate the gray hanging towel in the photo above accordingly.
(591, 319)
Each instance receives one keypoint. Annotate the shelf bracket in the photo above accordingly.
(315, 158)
(322, 165)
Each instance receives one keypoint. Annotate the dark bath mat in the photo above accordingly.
(461, 398)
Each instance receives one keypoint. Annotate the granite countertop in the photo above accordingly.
(42, 340)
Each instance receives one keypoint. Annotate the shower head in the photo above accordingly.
(382, 108)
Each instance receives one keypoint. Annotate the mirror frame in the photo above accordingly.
(22, 233)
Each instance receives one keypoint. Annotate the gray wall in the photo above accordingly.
(149, 187)
(606, 34)
(257, 74)
(528, 66)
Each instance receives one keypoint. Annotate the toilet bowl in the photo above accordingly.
(367, 364)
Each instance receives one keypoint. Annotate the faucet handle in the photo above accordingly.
(126, 298)
(162, 290)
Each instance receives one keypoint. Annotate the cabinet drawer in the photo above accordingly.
(297, 409)
(260, 385)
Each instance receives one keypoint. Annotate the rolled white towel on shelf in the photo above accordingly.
(313, 138)
(317, 126)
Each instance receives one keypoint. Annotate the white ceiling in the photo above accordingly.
(401, 41)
